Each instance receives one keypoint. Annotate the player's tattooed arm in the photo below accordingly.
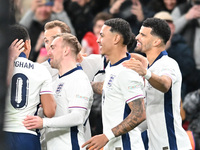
(97, 87)
(136, 116)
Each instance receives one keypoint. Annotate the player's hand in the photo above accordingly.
(135, 65)
(141, 58)
(96, 142)
(15, 49)
(80, 56)
(33, 122)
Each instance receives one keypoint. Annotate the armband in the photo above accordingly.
(147, 75)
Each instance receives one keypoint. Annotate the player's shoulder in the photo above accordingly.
(168, 61)
(125, 70)
(39, 68)
(127, 73)
(81, 75)
(93, 58)
(167, 58)
(45, 63)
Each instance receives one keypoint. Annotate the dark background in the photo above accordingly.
(4, 21)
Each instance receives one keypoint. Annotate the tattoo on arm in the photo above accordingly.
(136, 116)
(97, 87)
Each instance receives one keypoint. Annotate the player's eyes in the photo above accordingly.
(46, 41)
(52, 47)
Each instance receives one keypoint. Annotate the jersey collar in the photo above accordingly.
(105, 62)
(69, 72)
(22, 54)
(128, 56)
(159, 56)
(49, 60)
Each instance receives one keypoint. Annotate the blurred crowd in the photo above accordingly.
(86, 17)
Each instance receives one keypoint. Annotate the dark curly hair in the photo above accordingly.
(159, 28)
(122, 27)
(17, 31)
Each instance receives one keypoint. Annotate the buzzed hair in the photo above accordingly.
(71, 40)
(56, 23)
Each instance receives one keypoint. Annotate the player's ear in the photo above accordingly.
(66, 51)
(117, 39)
(157, 42)
(27, 45)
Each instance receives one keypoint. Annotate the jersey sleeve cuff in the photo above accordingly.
(109, 134)
(46, 92)
(46, 122)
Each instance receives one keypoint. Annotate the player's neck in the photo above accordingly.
(116, 56)
(153, 54)
(66, 66)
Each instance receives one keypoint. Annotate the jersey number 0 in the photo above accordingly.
(19, 91)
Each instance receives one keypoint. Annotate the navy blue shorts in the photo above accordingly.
(22, 141)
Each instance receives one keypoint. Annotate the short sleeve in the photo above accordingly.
(131, 84)
(170, 69)
(46, 87)
(81, 95)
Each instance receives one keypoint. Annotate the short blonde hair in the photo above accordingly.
(56, 23)
(71, 40)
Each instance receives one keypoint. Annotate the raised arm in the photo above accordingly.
(181, 20)
(14, 51)
(29, 15)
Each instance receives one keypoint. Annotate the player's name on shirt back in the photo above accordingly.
(21, 64)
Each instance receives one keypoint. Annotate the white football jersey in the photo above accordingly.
(92, 64)
(29, 81)
(121, 86)
(72, 91)
(52, 71)
(163, 109)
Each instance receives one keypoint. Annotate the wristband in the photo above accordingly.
(109, 134)
(147, 75)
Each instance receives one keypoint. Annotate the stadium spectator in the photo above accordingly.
(35, 19)
(89, 41)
